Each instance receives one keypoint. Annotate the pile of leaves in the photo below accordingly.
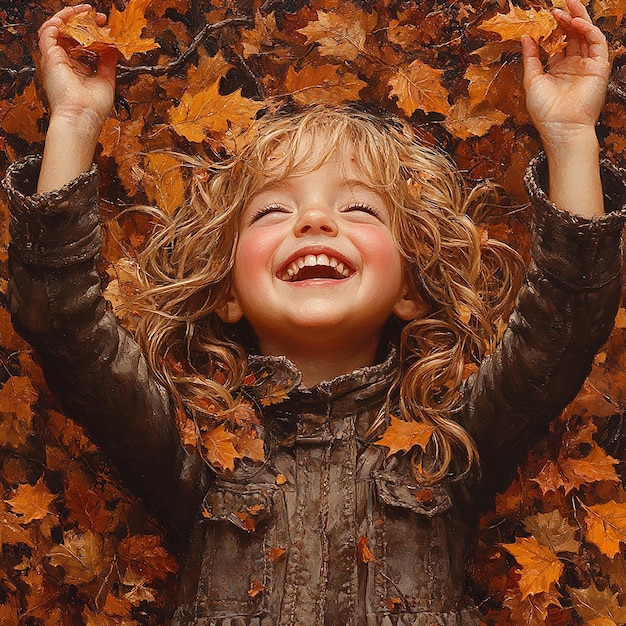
(77, 548)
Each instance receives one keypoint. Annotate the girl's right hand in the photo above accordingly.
(74, 91)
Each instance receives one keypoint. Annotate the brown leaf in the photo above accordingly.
(606, 526)
(515, 23)
(532, 609)
(465, 121)
(341, 34)
(22, 116)
(250, 446)
(276, 554)
(540, 567)
(147, 556)
(418, 86)
(80, 556)
(16, 399)
(553, 531)
(323, 83)
(593, 605)
(163, 181)
(87, 508)
(401, 436)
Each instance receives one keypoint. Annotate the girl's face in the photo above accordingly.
(316, 261)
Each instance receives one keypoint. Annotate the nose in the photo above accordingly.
(315, 221)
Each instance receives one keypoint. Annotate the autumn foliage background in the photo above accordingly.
(76, 547)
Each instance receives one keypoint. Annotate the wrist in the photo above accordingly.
(85, 125)
(567, 141)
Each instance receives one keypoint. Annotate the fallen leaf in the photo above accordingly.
(553, 531)
(606, 526)
(323, 83)
(598, 607)
(341, 34)
(419, 86)
(364, 554)
(401, 436)
(517, 22)
(540, 567)
(123, 30)
(32, 502)
(608, 9)
(80, 556)
(209, 111)
(219, 447)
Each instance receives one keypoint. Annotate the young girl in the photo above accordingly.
(329, 277)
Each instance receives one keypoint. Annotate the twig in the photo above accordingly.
(172, 66)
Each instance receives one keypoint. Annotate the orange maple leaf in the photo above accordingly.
(606, 526)
(517, 22)
(219, 447)
(418, 86)
(401, 436)
(147, 556)
(210, 111)
(32, 502)
(122, 33)
(596, 466)
(540, 567)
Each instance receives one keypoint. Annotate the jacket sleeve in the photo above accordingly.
(94, 367)
(564, 312)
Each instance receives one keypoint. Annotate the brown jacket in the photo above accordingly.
(337, 490)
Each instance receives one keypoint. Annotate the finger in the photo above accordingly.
(532, 63)
(593, 37)
(578, 9)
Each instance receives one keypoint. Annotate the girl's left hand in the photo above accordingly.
(565, 101)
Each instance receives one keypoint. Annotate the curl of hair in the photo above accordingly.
(465, 281)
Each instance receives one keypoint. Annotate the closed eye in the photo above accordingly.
(365, 208)
(266, 210)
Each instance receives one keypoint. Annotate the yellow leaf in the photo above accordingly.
(465, 121)
(609, 8)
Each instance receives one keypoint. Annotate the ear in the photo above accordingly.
(230, 311)
(407, 308)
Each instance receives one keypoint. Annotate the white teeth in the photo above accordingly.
(311, 260)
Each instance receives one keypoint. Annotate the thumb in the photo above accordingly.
(532, 63)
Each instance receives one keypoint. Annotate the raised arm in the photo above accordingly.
(95, 368)
(564, 103)
(566, 307)
(79, 101)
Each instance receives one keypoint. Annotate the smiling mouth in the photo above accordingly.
(311, 266)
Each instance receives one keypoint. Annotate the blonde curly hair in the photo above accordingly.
(465, 280)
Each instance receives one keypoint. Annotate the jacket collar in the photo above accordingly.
(318, 414)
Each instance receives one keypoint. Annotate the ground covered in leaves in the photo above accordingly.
(76, 548)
